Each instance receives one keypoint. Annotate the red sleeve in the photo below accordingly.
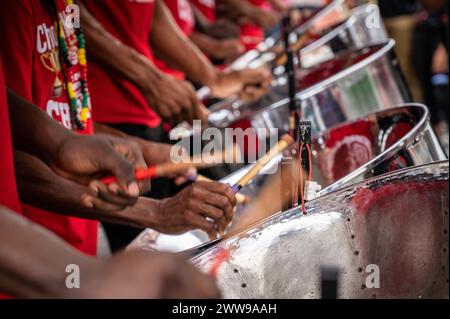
(17, 32)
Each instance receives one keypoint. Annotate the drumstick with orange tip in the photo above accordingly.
(168, 169)
(282, 145)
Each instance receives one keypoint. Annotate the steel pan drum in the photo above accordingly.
(351, 84)
(323, 18)
(350, 33)
(369, 146)
(396, 224)
(347, 153)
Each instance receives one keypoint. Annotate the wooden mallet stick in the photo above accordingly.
(167, 169)
(282, 145)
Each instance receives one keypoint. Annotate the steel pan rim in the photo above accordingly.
(342, 183)
(418, 128)
(319, 15)
(264, 46)
(193, 253)
(349, 22)
(387, 46)
(361, 9)
(356, 13)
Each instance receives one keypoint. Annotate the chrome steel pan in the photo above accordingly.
(375, 144)
(351, 84)
(362, 26)
(353, 151)
(324, 18)
(358, 30)
(395, 224)
(347, 153)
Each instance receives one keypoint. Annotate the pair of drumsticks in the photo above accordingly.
(156, 171)
(262, 208)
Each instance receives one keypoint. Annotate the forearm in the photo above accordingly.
(107, 49)
(169, 41)
(33, 261)
(33, 131)
(241, 7)
(205, 43)
(39, 186)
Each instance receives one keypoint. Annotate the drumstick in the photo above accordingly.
(297, 46)
(274, 197)
(282, 144)
(240, 198)
(167, 169)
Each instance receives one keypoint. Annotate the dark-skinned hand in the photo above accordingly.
(248, 83)
(86, 159)
(173, 99)
(203, 205)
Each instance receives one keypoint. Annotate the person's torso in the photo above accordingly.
(8, 190)
(129, 21)
(42, 77)
(251, 34)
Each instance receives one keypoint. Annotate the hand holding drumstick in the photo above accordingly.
(168, 169)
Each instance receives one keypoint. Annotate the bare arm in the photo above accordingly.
(33, 264)
(32, 260)
(174, 100)
(227, 49)
(39, 186)
(188, 210)
(26, 120)
(256, 15)
(68, 153)
(169, 41)
(104, 47)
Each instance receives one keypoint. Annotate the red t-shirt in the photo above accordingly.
(183, 15)
(251, 34)
(30, 45)
(8, 190)
(207, 7)
(116, 99)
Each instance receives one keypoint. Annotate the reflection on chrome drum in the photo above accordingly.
(321, 20)
(351, 84)
(397, 222)
(349, 33)
(344, 154)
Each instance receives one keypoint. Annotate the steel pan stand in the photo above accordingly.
(300, 131)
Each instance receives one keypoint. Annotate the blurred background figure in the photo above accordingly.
(256, 18)
(398, 17)
(219, 39)
(430, 57)
(420, 29)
